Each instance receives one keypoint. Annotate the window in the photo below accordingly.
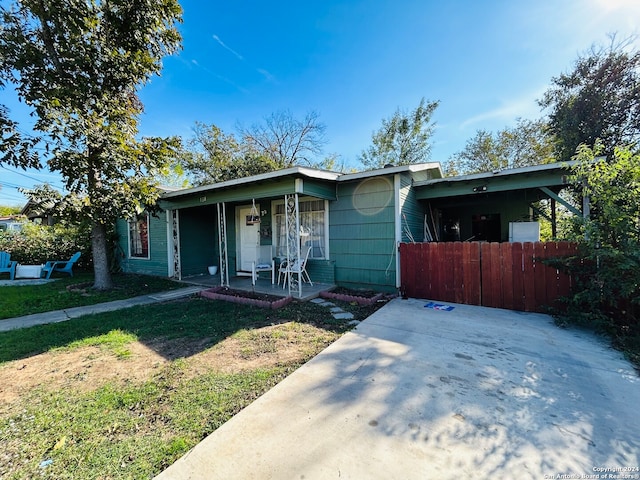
(139, 237)
(312, 228)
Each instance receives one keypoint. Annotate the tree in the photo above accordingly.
(44, 199)
(16, 149)
(212, 156)
(6, 210)
(607, 294)
(528, 143)
(599, 99)
(285, 140)
(402, 139)
(79, 64)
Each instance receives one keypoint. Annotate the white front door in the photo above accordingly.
(248, 238)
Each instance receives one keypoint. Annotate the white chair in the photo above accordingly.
(265, 263)
(295, 268)
(262, 266)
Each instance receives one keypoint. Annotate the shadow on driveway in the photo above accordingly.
(417, 393)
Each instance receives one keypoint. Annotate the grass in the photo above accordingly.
(25, 300)
(137, 429)
(123, 432)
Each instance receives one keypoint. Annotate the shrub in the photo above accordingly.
(607, 271)
(36, 244)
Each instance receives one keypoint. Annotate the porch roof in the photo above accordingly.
(537, 176)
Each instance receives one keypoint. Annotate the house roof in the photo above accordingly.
(420, 170)
(287, 172)
(417, 168)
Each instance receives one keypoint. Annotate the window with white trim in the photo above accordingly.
(313, 223)
(139, 236)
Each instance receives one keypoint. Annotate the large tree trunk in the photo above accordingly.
(101, 271)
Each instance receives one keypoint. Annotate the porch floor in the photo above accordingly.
(263, 285)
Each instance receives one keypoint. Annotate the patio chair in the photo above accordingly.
(7, 266)
(300, 268)
(262, 266)
(64, 266)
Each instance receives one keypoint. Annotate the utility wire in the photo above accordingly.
(28, 176)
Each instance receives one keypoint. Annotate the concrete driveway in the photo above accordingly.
(420, 393)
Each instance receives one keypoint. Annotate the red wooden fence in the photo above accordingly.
(501, 275)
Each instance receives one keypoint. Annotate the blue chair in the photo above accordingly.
(7, 266)
(65, 266)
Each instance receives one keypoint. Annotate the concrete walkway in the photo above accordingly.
(69, 313)
(421, 393)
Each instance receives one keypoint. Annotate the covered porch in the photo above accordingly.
(243, 226)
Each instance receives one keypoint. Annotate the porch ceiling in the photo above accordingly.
(526, 195)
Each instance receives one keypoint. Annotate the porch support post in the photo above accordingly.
(554, 224)
(292, 222)
(174, 225)
(222, 244)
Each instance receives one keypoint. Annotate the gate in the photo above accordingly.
(501, 275)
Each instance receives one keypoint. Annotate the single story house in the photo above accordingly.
(349, 224)
(12, 223)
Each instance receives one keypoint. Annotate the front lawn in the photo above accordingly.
(67, 292)
(124, 394)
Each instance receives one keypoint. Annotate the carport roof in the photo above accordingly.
(537, 176)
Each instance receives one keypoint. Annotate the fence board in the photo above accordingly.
(517, 272)
(485, 274)
(507, 275)
(565, 249)
(528, 277)
(496, 274)
(471, 273)
(413, 283)
(551, 273)
(539, 276)
(458, 277)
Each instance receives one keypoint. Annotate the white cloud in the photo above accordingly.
(525, 106)
(224, 45)
(267, 75)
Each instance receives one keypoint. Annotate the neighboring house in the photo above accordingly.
(36, 214)
(12, 223)
(352, 222)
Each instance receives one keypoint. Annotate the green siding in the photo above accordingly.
(157, 263)
(412, 217)
(319, 189)
(322, 271)
(198, 239)
(362, 234)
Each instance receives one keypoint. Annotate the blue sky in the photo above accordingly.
(356, 62)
